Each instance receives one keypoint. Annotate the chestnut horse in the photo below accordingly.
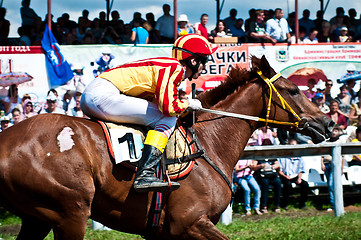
(55, 184)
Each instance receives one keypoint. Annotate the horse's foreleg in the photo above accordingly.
(33, 229)
(203, 228)
(71, 228)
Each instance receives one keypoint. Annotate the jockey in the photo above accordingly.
(145, 92)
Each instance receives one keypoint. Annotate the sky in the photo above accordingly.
(192, 8)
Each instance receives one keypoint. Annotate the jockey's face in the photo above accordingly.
(188, 72)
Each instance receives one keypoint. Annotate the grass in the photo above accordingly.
(292, 224)
(287, 227)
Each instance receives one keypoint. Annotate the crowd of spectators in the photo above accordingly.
(261, 26)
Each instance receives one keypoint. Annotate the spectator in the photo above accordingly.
(252, 18)
(344, 101)
(69, 25)
(139, 34)
(324, 35)
(12, 99)
(237, 31)
(328, 96)
(306, 22)
(319, 20)
(116, 23)
(80, 30)
(277, 27)
(291, 170)
(183, 27)
(320, 103)
(165, 26)
(356, 159)
(327, 168)
(355, 110)
(24, 34)
(340, 12)
(4, 123)
(149, 25)
(126, 36)
(257, 29)
(28, 109)
(266, 174)
(137, 16)
(301, 36)
(265, 133)
(97, 30)
(219, 31)
(16, 116)
(344, 37)
(312, 36)
(336, 115)
(353, 22)
(4, 28)
(58, 33)
(291, 19)
(51, 102)
(350, 84)
(310, 93)
(201, 28)
(103, 20)
(85, 19)
(76, 110)
(28, 15)
(336, 28)
(69, 39)
(230, 21)
(245, 179)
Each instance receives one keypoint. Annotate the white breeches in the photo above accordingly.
(102, 100)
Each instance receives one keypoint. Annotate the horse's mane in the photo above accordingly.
(236, 78)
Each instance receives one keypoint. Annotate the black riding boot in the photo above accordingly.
(145, 181)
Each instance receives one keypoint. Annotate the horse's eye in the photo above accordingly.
(294, 91)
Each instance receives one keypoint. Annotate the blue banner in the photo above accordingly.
(59, 71)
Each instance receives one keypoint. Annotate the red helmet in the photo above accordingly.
(192, 46)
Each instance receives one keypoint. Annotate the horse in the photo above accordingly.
(56, 171)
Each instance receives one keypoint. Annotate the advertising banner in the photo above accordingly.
(31, 60)
(337, 62)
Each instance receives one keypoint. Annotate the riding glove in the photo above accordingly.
(194, 104)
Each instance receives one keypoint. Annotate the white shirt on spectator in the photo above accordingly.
(277, 29)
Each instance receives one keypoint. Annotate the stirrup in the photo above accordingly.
(154, 185)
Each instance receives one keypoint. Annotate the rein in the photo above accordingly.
(272, 88)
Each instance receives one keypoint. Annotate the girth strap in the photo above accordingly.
(209, 161)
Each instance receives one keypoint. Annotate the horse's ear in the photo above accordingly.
(265, 67)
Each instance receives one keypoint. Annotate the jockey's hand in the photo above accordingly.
(194, 104)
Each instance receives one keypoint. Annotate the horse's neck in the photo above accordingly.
(224, 138)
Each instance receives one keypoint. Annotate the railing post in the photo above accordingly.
(337, 180)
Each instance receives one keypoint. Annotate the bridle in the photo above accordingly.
(300, 124)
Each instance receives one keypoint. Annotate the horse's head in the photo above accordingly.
(308, 118)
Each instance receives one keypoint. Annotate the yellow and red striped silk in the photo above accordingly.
(155, 79)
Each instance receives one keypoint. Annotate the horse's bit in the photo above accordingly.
(300, 124)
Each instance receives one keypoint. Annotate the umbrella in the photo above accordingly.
(7, 79)
(301, 76)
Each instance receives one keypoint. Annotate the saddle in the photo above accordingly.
(125, 143)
